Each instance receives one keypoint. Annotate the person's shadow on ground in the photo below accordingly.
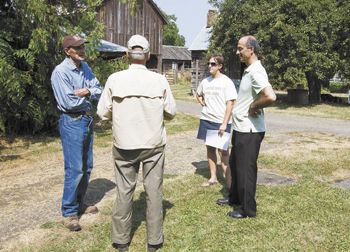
(202, 169)
(139, 211)
(97, 189)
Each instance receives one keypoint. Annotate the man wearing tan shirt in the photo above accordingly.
(137, 101)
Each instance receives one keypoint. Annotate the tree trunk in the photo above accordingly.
(314, 84)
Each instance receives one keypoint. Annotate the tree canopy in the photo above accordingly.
(29, 50)
(300, 39)
(343, 34)
(30, 47)
(171, 34)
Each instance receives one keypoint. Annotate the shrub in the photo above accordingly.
(30, 48)
(104, 68)
(338, 87)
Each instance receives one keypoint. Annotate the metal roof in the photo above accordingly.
(201, 42)
(107, 46)
(175, 53)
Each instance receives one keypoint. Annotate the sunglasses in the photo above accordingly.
(81, 47)
(211, 64)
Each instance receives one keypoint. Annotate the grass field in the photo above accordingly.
(309, 215)
(182, 91)
(31, 148)
(323, 110)
(300, 217)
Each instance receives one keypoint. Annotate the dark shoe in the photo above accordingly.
(121, 247)
(72, 223)
(223, 202)
(151, 248)
(85, 209)
(236, 214)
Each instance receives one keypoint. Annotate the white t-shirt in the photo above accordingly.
(254, 80)
(216, 92)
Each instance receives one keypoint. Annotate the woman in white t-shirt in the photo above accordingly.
(216, 94)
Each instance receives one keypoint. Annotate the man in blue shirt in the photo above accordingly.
(75, 86)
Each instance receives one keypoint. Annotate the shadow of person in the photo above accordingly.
(97, 189)
(139, 211)
(202, 169)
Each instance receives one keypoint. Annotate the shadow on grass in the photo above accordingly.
(283, 104)
(139, 211)
(97, 189)
(12, 147)
(203, 170)
(9, 157)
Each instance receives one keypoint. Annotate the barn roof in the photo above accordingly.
(175, 53)
(159, 11)
(107, 46)
(201, 42)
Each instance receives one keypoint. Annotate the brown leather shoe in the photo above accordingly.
(72, 223)
(88, 210)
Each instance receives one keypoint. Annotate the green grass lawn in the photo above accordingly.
(309, 215)
(334, 111)
(182, 91)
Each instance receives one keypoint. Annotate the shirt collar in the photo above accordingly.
(137, 66)
(251, 66)
(70, 64)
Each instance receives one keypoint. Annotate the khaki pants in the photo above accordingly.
(126, 164)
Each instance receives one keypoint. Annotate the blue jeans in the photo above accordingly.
(77, 139)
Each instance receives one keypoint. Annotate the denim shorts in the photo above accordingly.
(205, 125)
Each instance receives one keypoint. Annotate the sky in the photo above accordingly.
(191, 15)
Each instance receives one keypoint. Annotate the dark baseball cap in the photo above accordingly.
(75, 40)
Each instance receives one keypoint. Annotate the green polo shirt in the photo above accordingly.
(254, 80)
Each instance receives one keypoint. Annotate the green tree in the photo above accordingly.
(29, 49)
(343, 43)
(171, 34)
(298, 38)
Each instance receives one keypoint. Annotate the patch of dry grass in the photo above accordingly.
(314, 154)
(182, 91)
(335, 111)
(28, 150)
